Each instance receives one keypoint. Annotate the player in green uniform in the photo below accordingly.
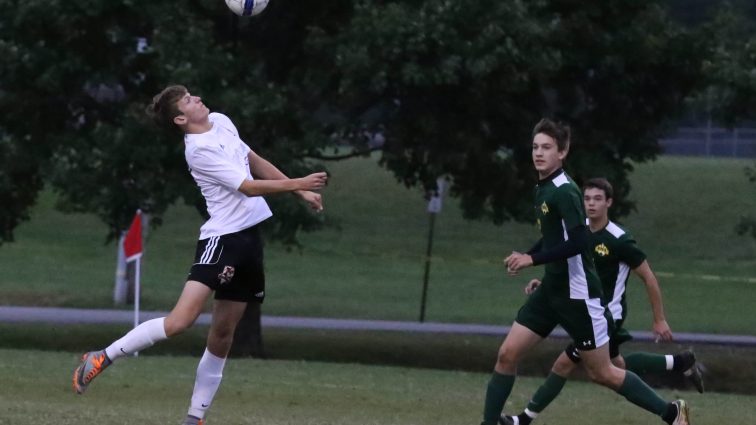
(570, 292)
(615, 253)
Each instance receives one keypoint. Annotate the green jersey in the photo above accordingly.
(559, 208)
(615, 254)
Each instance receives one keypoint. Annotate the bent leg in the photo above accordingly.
(188, 307)
(626, 383)
(553, 385)
(519, 340)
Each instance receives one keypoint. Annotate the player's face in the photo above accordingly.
(596, 204)
(192, 110)
(547, 157)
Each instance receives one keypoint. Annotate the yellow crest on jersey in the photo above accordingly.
(602, 250)
(544, 208)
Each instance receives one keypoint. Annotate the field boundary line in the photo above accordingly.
(709, 277)
(63, 316)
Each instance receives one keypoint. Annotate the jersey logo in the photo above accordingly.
(587, 343)
(226, 275)
(602, 250)
(544, 208)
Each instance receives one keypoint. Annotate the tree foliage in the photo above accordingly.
(455, 87)
(464, 83)
(730, 92)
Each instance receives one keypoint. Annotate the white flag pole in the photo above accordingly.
(137, 274)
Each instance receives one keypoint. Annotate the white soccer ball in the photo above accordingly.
(247, 7)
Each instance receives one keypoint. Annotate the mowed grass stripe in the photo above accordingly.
(156, 390)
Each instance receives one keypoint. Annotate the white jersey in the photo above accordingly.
(219, 164)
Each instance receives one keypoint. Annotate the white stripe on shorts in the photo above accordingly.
(209, 250)
(600, 325)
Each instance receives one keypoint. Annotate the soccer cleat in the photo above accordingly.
(507, 420)
(682, 417)
(193, 420)
(92, 364)
(692, 369)
(695, 375)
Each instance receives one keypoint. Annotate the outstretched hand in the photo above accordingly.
(314, 181)
(516, 262)
(314, 200)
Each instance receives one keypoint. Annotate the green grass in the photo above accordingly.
(371, 264)
(156, 390)
(729, 369)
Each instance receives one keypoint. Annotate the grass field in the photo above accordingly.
(728, 369)
(370, 265)
(156, 390)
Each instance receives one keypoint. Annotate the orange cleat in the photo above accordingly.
(92, 364)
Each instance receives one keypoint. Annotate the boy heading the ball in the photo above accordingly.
(229, 255)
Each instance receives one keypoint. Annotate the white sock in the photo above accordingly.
(531, 414)
(209, 375)
(138, 339)
(670, 361)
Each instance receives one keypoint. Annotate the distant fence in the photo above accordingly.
(711, 141)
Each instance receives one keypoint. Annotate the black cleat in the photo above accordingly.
(691, 368)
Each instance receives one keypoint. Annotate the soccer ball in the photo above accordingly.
(246, 7)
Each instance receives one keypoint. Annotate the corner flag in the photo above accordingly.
(132, 250)
(132, 243)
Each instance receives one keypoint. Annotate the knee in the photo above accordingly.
(619, 361)
(175, 326)
(506, 361)
(605, 376)
(563, 366)
(222, 335)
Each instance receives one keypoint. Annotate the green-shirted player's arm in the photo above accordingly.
(661, 328)
(628, 252)
(568, 205)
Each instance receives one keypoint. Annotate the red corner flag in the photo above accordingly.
(132, 243)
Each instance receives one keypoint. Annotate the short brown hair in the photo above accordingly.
(556, 130)
(164, 107)
(601, 184)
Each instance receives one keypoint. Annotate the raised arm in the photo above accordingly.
(661, 328)
(262, 168)
(271, 179)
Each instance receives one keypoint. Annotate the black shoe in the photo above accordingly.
(691, 368)
(506, 420)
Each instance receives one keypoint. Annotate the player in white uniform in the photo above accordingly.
(229, 253)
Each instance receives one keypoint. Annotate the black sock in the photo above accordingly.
(670, 414)
(524, 419)
(677, 363)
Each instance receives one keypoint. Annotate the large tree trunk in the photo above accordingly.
(248, 337)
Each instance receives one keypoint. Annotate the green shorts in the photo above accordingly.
(618, 337)
(585, 321)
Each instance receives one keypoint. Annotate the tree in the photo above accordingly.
(77, 76)
(455, 87)
(76, 79)
(462, 84)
